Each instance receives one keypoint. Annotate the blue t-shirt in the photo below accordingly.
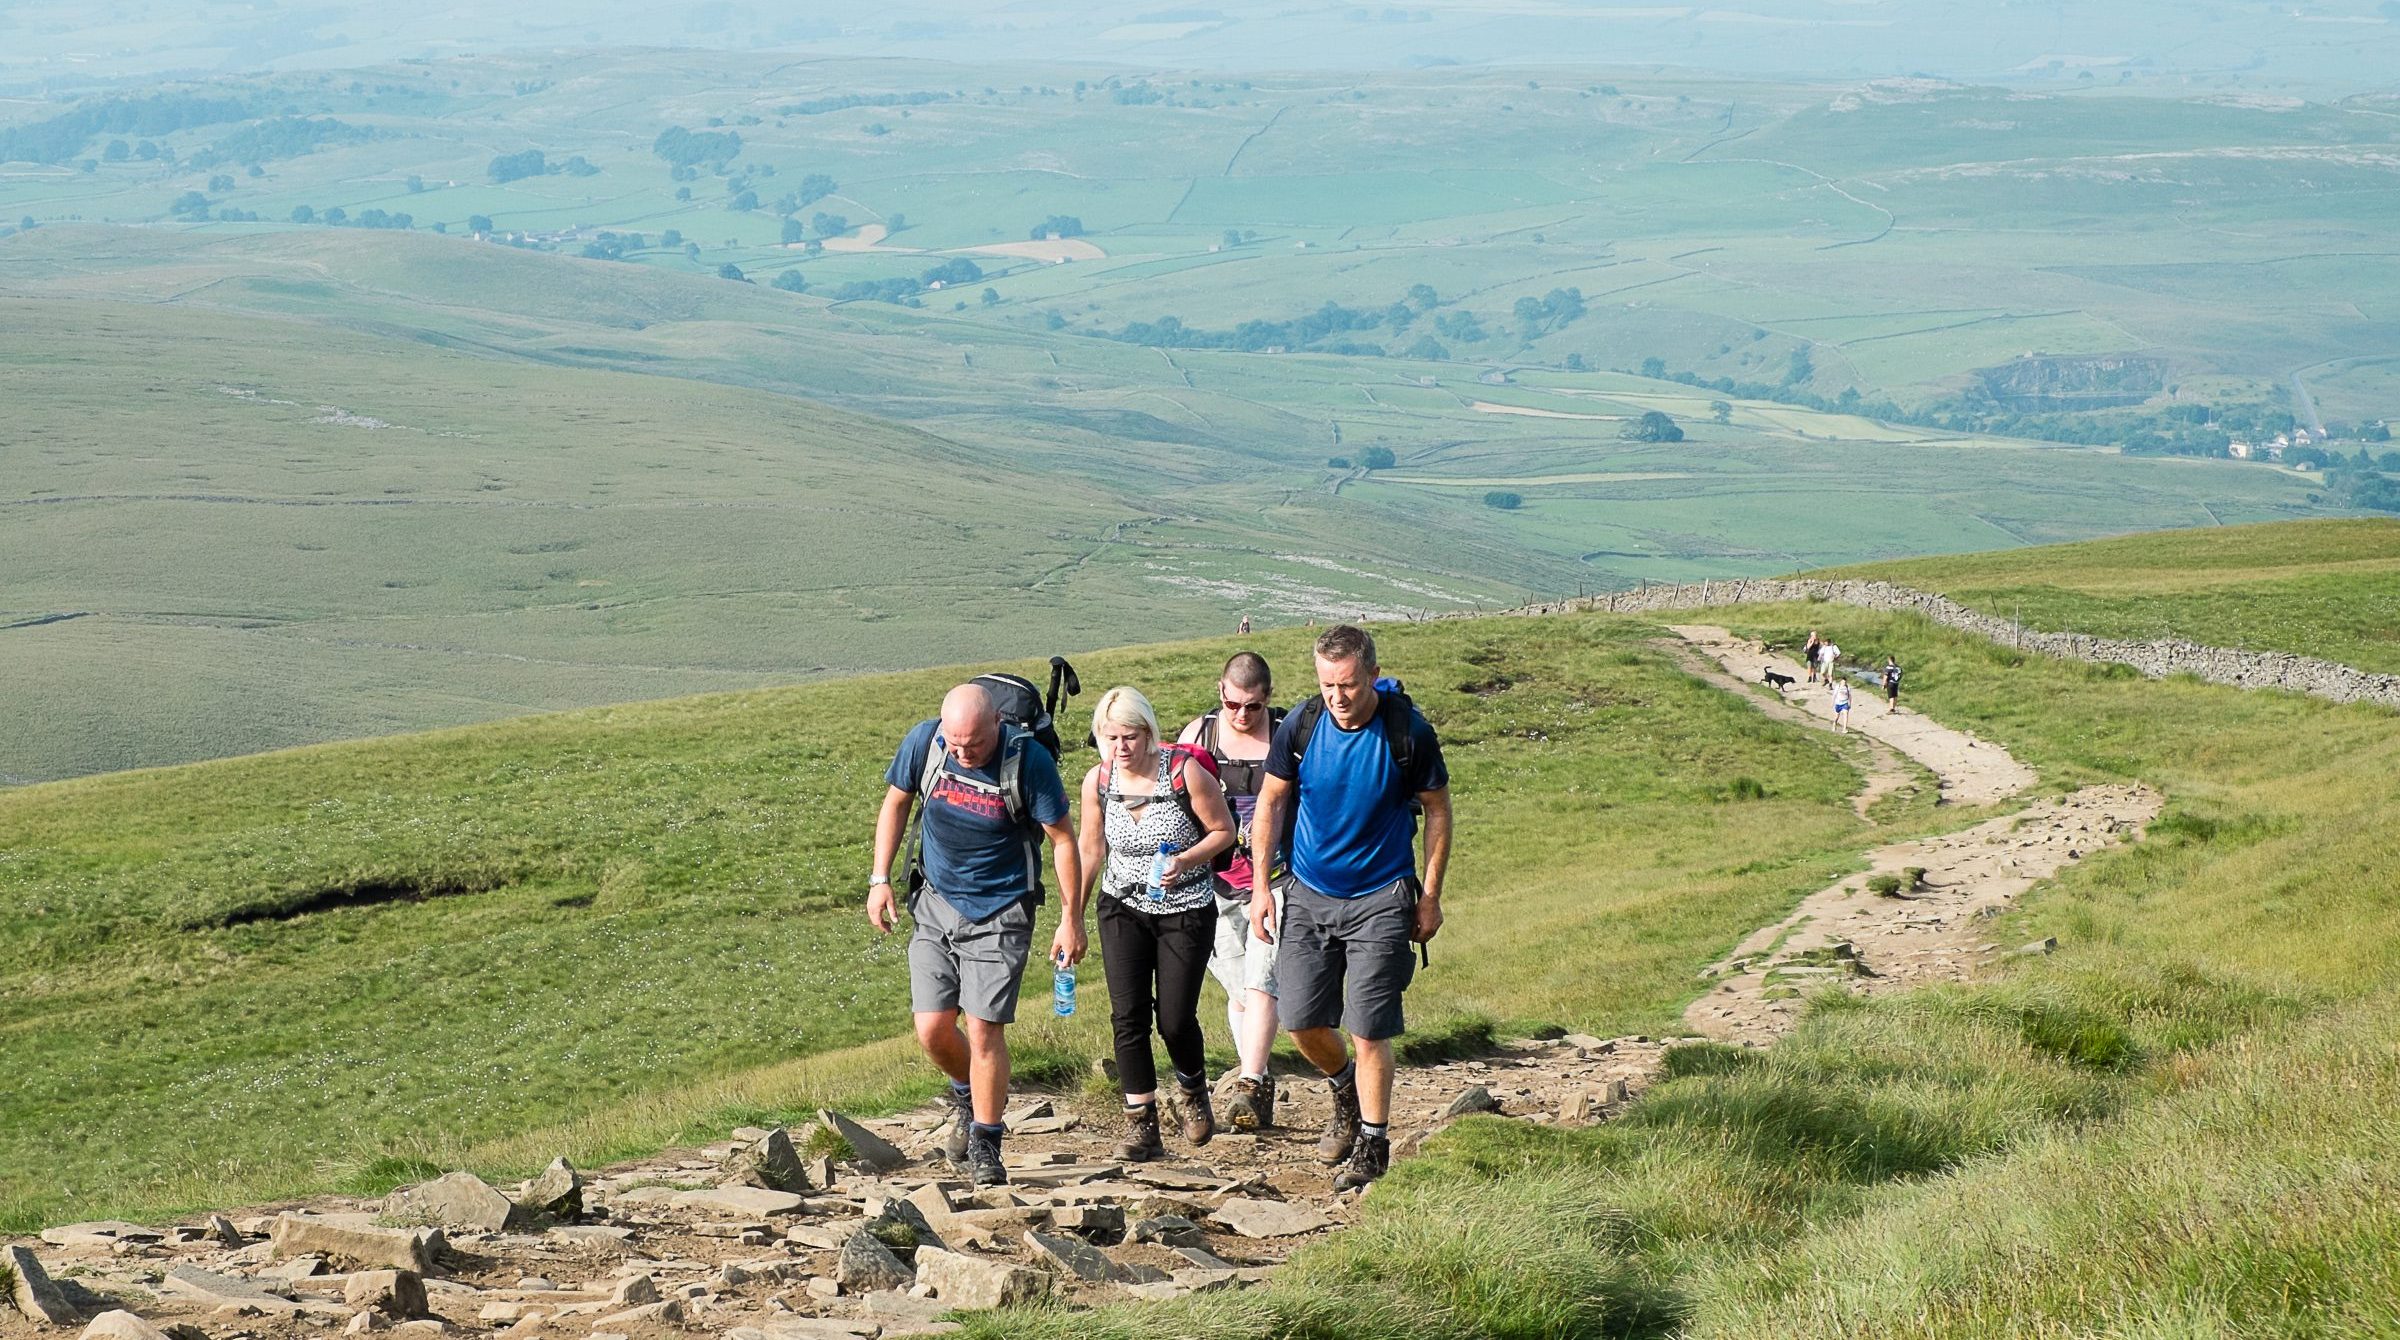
(1353, 833)
(974, 856)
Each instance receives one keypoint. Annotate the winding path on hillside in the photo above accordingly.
(679, 1239)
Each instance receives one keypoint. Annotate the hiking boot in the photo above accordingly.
(1341, 1130)
(1370, 1160)
(954, 1144)
(1199, 1119)
(1252, 1106)
(983, 1160)
(1141, 1143)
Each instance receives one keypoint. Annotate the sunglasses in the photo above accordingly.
(1231, 706)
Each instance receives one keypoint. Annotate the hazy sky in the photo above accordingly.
(2329, 46)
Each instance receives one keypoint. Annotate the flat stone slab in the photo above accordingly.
(1270, 1218)
(220, 1290)
(357, 1244)
(1175, 1179)
(458, 1200)
(100, 1233)
(749, 1202)
(1075, 1256)
(1073, 1174)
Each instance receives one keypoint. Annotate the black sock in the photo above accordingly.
(1345, 1077)
(1189, 1082)
(1142, 1106)
(962, 1091)
(1377, 1129)
(995, 1130)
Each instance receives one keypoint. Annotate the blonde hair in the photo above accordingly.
(1124, 705)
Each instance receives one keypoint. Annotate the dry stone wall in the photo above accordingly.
(2329, 680)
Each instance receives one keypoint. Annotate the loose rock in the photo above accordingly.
(865, 1145)
(398, 1294)
(770, 1162)
(1270, 1218)
(866, 1265)
(963, 1281)
(35, 1295)
(1075, 1256)
(121, 1325)
(458, 1200)
(558, 1192)
(358, 1244)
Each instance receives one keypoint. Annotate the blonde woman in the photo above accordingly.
(1154, 822)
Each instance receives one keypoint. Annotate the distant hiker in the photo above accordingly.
(1236, 734)
(1828, 656)
(1841, 706)
(1891, 684)
(991, 793)
(1808, 655)
(1244, 630)
(1154, 822)
(1346, 766)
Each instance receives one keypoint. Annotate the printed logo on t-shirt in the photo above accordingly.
(958, 795)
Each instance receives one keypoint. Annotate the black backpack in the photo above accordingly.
(1021, 704)
(1027, 720)
(1396, 735)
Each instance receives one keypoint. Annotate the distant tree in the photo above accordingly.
(1654, 368)
(991, 297)
(828, 225)
(1802, 367)
(303, 214)
(2389, 462)
(683, 193)
(440, 226)
(794, 231)
(2378, 431)
(1378, 458)
(747, 200)
(791, 282)
(682, 148)
(691, 251)
(1506, 502)
(1423, 298)
(1233, 238)
(895, 223)
(1053, 321)
(479, 223)
(671, 238)
(2309, 456)
(729, 270)
(416, 184)
(1057, 225)
(336, 216)
(518, 166)
(958, 270)
(255, 171)
(1653, 427)
(220, 184)
(878, 128)
(116, 152)
(1426, 347)
(190, 203)
(1721, 411)
(146, 151)
(814, 187)
(1337, 462)
(1575, 363)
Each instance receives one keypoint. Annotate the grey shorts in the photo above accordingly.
(1240, 963)
(1347, 961)
(972, 966)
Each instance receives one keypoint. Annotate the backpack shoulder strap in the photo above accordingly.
(1400, 736)
(1012, 776)
(1307, 714)
(1208, 731)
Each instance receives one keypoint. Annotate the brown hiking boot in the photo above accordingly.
(1141, 1143)
(1252, 1106)
(1341, 1130)
(1372, 1159)
(1199, 1119)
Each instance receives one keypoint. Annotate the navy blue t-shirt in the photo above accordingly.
(1353, 833)
(974, 856)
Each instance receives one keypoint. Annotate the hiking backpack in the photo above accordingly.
(1027, 720)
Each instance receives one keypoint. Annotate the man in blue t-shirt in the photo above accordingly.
(1351, 772)
(972, 898)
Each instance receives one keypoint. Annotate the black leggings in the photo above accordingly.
(1155, 961)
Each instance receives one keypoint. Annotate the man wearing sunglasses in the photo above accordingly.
(1236, 733)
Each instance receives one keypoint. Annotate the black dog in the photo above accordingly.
(1778, 682)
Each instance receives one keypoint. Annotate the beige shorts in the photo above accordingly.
(1239, 962)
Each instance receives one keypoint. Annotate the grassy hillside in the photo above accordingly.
(2329, 589)
(570, 506)
(2177, 1124)
(609, 929)
(599, 923)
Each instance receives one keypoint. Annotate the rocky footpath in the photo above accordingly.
(756, 1239)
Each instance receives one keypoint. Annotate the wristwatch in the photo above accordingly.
(873, 880)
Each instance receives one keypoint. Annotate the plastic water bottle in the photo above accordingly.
(1062, 986)
(1156, 889)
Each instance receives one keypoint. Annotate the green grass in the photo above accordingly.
(2174, 1125)
(605, 928)
(2328, 589)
